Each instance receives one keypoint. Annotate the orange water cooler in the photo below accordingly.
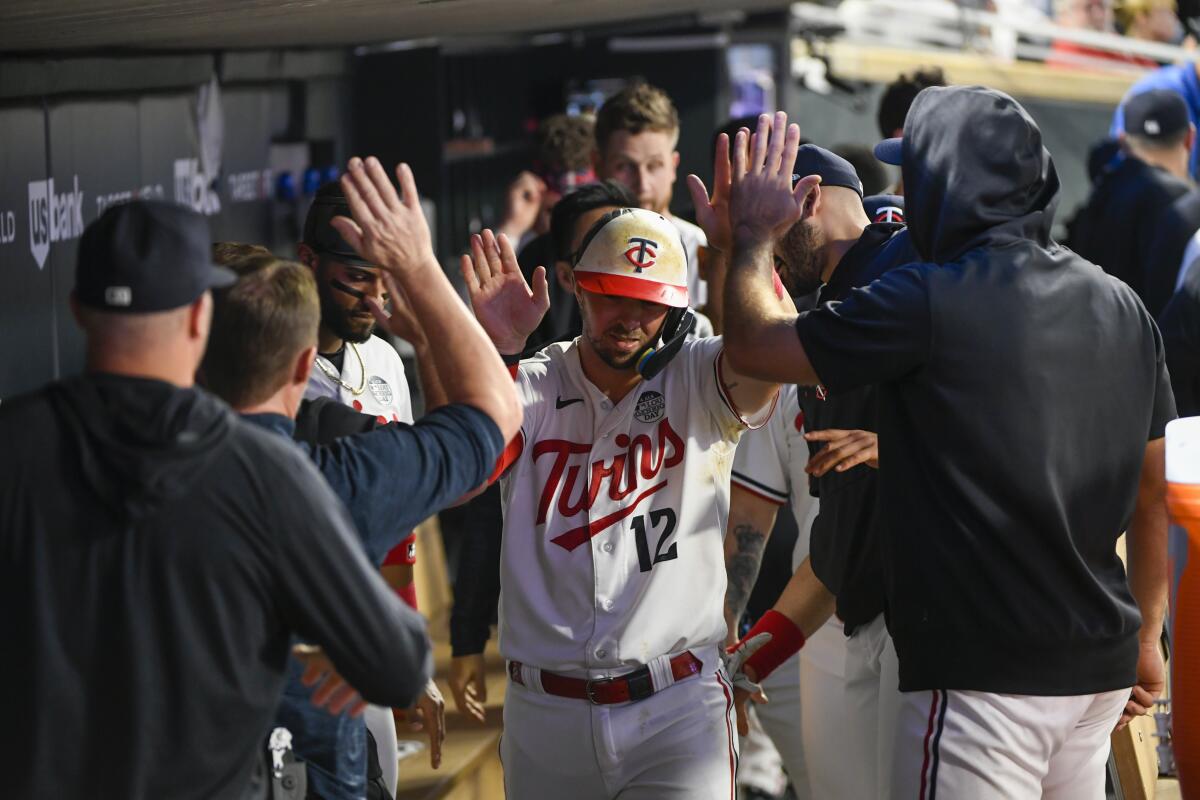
(1183, 501)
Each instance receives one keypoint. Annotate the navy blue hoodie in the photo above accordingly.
(1018, 388)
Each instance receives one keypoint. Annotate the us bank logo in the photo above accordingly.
(53, 216)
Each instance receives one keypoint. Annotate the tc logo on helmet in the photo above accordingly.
(642, 253)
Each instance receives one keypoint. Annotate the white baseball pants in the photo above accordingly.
(849, 699)
(958, 744)
(678, 744)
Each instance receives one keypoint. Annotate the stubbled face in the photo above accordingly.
(347, 316)
(645, 163)
(799, 257)
(619, 328)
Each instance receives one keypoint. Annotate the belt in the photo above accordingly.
(630, 688)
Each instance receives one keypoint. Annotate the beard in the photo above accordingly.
(800, 250)
(617, 359)
(341, 320)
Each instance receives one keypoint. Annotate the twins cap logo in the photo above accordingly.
(889, 214)
(642, 253)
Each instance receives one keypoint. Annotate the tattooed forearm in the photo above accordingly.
(742, 568)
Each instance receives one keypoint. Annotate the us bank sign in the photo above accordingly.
(53, 216)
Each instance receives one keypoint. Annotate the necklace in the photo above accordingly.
(362, 369)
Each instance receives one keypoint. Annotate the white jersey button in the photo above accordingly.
(608, 547)
(608, 604)
(601, 653)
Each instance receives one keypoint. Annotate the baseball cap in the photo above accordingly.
(889, 151)
(884, 207)
(146, 255)
(320, 235)
(1156, 114)
(632, 252)
(833, 169)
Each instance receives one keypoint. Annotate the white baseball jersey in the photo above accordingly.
(385, 388)
(770, 464)
(614, 516)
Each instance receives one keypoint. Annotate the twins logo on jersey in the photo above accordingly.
(628, 472)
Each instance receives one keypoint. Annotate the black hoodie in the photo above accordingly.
(1018, 387)
(156, 557)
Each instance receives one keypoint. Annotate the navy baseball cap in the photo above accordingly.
(833, 169)
(1156, 115)
(890, 151)
(146, 255)
(884, 207)
(320, 235)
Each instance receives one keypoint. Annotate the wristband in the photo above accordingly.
(786, 641)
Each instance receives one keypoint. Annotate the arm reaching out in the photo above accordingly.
(760, 338)
(503, 302)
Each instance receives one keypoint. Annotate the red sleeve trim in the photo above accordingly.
(509, 457)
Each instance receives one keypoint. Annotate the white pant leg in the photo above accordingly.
(547, 749)
(888, 703)
(760, 766)
(382, 726)
(678, 744)
(840, 693)
(985, 746)
(1077, 770)
(780, 717)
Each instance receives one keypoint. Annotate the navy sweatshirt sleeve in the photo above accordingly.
(393, 477)
(479, 527)
(332, 596)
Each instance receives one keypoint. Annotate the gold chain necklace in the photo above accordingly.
(362, 384)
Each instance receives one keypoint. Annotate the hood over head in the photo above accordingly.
(975, 172)
(141, 442)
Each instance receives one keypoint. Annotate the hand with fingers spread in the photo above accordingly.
(332, 692)
(388, 229)
(763, 203)
(712, 212)
(843, 450)
(503, 302)
(468, 685)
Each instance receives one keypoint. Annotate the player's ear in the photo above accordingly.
(308, 256)
(303, 365)
(565, 276)
(812, 203)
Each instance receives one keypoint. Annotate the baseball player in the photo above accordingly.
(615, 498)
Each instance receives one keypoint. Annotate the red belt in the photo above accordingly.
(637, 685)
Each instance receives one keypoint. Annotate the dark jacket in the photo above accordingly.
(1120, 222)
(157, 556)
(1179, 222)
(1180, 323)
(1018, 388)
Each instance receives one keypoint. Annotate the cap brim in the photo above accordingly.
(636, 288)
(890, 151)
(219, 277)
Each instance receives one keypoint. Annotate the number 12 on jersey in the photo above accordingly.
(664, 518)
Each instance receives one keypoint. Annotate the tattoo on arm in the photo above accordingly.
(742, 568)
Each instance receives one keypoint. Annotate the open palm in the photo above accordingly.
(503, 302)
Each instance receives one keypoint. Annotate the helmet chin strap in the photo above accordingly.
(678, 324)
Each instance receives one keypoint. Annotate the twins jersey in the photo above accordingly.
(770, 463)
(385, 388)
(614, 515)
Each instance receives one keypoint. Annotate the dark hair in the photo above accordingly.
(870, 171)
(575, 204)
(637, 108)
(899, 96)
(226, 253)
(565, 143)
(259, 326)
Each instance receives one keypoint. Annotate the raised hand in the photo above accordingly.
(504, 305)
(763, 203)
(388, 229)
(713, 212)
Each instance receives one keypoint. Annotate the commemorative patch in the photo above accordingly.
(380, 389)
(650, 407)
